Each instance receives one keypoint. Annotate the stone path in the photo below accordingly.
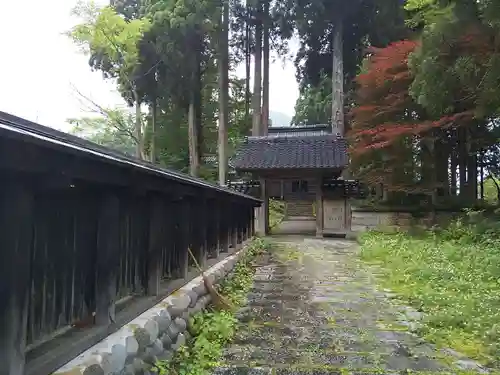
(314, 309)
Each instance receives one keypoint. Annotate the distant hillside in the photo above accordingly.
(279, 119)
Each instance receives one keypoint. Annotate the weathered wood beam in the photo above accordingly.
(183, 256)
(216, 217)
(16, 233)
(156, 231)
(108, 258)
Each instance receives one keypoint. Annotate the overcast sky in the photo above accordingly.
(39, 67)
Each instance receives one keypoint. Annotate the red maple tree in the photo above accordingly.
(387, 125)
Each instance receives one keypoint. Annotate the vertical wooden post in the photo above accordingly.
(156, 229)
(234, 227)
(16, 234)
(108, 258)
(239, 232)
(200, 231)
(217, 228)
(319, 209)
(184, 217)
(263, 221)
(252, 221)
(223, 234)
(169, 240)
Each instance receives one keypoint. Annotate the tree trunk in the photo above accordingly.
(248, 44)
(194, 159)
(472, 177)
(462, 164)
(338, 79)
(195, 109)
(152, 146)
(198, 106)
(139, 146)
(453, 172)
(257, 84)
(223, 93)
(265, 83)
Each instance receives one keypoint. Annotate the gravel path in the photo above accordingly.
(314, 309)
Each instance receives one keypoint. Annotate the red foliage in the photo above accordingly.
(386, 117)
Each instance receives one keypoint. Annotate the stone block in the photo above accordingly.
(143, 338)
(175, 310)
(148, 357)
(128, 370)
(166, 340)
(181, 340)
(131, 345)
(193, 297)
(181, 301)
(117, 358)
(157, 347)
(173, 331)
(181, 324)
(185, 315)
(152, 327)
(163, 320)
(200, 289)
(139, 366)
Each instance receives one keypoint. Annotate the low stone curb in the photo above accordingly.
(154, 335)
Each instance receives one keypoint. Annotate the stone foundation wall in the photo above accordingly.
(154, 335)
(365, 220)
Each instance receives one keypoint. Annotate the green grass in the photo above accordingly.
(276, 212)
(212, 330)
(451, 275)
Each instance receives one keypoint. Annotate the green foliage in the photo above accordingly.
(115, 130)
(212, 330)
(453, 276)
(314, 105)
(490, 190)
(276, 212)
(105, 31)
(457, 68)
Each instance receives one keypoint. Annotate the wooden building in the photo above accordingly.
(302, 167)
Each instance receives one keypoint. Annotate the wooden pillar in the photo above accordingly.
(234, 226)
(217, 227)
(196, 230)
(200, 232)
(319, 209)
(246, 223)
(225, 229)
(183, 243)
(241, 227)
(108, 258)
(263, 221)
(156, 231)
(252, 221)
(16, 233)
(169, 239)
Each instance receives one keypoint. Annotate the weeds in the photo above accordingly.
(451, 275)
(210, 330)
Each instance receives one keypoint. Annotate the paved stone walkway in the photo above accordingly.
(314, 309)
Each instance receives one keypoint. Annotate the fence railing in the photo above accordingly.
(81, 229)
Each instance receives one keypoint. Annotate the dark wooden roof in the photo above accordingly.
(316, 150)
(32, 133)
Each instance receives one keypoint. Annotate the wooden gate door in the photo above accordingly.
(334, 216)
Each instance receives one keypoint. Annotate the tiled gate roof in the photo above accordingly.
(321, 151)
